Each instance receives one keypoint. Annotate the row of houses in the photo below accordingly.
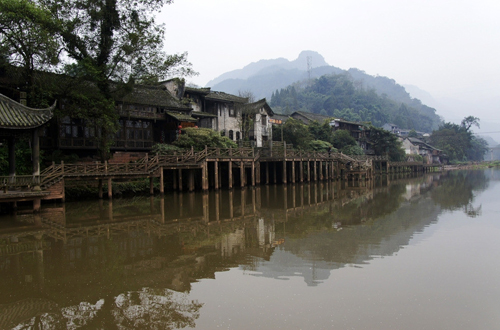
(156, 114)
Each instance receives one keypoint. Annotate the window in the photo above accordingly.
(237, 136)
(232, 113)
(231, 134)
(264, 120)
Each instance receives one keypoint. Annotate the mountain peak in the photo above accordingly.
(317, 60)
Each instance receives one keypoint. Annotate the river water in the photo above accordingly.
(406, 253)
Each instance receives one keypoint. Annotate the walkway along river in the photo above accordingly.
(211, 168)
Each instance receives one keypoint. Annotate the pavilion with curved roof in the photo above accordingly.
(19, 121)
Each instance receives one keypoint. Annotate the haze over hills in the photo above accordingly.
(266, 78)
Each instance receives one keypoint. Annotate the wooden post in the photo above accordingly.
(321, 170)
(230, 172)
(301, 171)
(12, 158)
(204, 176)
(36, 159)
(315, 169)
(284, 172)
(253, 173)
(216, 175)
(174, 180)
(151, 186)
(37, 204)
(308, 169)
(162, 187)
(242, 174)
(110, 188)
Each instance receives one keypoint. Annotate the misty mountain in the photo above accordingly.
(265, 77)
(265, 67)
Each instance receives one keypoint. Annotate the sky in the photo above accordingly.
(448, 48)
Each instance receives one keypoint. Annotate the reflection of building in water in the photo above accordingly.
(84, 251)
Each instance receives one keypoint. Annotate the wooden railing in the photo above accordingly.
(148, 164)
(19, 181)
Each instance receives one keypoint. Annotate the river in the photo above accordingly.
(407, 253)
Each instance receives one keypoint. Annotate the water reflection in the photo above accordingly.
(130, 263)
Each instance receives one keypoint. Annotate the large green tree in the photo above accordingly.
(385, 143)
(458, 141)
(108, 46)
(27, 42)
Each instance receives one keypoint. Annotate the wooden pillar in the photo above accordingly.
(152, 186)
(315, 170)
(301, 171)
(284, 172)
(308, 170)
(162, 186)
(99, 188)
(230, 173)
(110, 188)
(216, 175)
(293, 171)
(12, 157)
(191, 180)
(204, 175)
(37, 204)
(257, 173)
(321, 170)
(36, 159)
(242, 174)
(180, 179)
(253, 173)
(327, 172)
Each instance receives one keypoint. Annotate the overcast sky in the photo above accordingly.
(449, 48)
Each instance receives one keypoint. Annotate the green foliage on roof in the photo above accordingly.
(198, 138)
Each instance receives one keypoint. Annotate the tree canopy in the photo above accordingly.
(458, 142)
(342, 97)
(106, 47)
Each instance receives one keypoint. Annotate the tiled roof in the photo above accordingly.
(312, 116)
(203, 114)
(153, 96)
(221, 96)
(14, 115)
(193, 90)
(256, 106)
(181, 116)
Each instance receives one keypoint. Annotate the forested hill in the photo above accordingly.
(344, 96)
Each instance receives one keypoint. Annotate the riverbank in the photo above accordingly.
(472, 165)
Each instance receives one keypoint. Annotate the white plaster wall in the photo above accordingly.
(228, 123)
(259, 128)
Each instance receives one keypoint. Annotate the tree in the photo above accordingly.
(413, 134)
(386, 143)
(109, 45)
(27, 42)
(469, 121)
(296, 133)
